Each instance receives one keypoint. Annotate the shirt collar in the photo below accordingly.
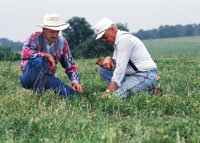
(118, 35)
(46, 41)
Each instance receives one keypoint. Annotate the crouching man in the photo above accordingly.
(41, 52)
(131, 68)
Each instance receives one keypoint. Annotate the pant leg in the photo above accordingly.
(35, 78)
(106, 74)
(59, 87)
(138, 82)
(32, 78)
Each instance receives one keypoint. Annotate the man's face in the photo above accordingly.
(51, 35)
(109, 37)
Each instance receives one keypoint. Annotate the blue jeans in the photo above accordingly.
(137, 82)
(35, 78)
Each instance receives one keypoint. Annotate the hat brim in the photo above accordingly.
(100, 35)
(62, 26)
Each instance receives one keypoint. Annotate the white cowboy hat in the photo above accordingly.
(102, 26)
(52, 21)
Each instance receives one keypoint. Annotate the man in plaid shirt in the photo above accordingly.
(41, 52)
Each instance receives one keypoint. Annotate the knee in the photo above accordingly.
(102, 71)
(37, 62)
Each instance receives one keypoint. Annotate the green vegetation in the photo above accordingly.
(174, 46)
(173, 117)
(6, 54)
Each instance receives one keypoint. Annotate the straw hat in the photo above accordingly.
(52, 21)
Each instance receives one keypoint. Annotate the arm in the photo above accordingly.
(124, 51)
(51, 59)
(109, 64)
(68, 64)
(31, 47)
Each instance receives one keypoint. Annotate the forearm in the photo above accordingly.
(47, 55)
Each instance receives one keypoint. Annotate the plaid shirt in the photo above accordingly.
(61, 53)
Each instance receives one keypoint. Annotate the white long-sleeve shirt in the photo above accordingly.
(128, 47)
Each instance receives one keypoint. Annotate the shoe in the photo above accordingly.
(157, 91)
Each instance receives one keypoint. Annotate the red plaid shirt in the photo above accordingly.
(62, 54)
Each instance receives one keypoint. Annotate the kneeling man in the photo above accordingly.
(131, 68)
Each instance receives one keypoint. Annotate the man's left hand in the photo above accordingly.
(77, 87)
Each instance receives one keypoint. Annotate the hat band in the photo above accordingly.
(54, 26)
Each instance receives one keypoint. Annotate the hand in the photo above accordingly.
(53, 63)
(77, 87)
(112, 86)
(106, 94)
(51, 59)
(108, 63)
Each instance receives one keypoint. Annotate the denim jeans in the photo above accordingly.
(35, 77)
(137, 82)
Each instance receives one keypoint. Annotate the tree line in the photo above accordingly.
(168, 31)
(81, 37)
(15, 46)
(6, 54)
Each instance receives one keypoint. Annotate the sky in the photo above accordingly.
(19, 17)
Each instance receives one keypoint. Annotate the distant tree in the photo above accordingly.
(167, 31)
(149, 34)
(180, 30)
(92, 48)
(78, 31)
(197, 29)
(15, 46)
(123, 27)
(189, 30)
(6, 54)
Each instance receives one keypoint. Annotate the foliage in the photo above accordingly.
(123, 27)
(140, 118)
(169, 31)
(6, 54)
(15, 46)
(92, 48)
(78, 32)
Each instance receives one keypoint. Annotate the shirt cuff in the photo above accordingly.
(117, 82)
(74, 81)
(41, 54)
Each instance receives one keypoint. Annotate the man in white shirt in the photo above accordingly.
(131, 68)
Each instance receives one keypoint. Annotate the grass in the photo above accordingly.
(174, 117)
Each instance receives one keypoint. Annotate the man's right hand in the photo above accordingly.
(108, 63)
(51, 59)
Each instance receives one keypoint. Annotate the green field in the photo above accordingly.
(140, 118)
